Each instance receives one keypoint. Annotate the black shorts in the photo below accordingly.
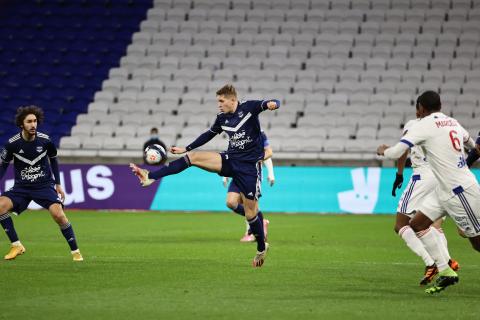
(246, 175)
(21, 197)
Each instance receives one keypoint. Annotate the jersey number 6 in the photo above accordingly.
(455, 141)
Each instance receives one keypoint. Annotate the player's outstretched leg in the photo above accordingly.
(16, 248)
(174, 167)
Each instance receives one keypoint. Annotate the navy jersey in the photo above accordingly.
(30, 159)
(243, 129)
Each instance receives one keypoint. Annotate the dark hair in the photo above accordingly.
(23, 112)
(430, 100)
(154, 129)
(227, 90)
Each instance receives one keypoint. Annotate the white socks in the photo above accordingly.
(414, 243)
(443, 241)
(434, 246)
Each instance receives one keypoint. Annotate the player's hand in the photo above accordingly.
(272, 105)
(381, 149)
(271, 181)
(397, 184)
(60, 192)
(225, 181)
(178, 150)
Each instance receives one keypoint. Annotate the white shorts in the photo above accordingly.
(463, 208)
(418, 187)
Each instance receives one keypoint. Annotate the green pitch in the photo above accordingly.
(192, 266)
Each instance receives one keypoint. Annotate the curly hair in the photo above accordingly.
(23, 112)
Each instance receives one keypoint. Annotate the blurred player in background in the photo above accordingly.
(31, 151)
(421, 183)
(241, 162)
(234, 200)
(457, 193)
(154, 139)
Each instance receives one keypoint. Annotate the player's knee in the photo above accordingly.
(232, 204)
(57, 214)
(5, 205)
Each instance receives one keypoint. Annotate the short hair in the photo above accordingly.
(23, 112)
(430, 100)
(154, 129)
(227, 90)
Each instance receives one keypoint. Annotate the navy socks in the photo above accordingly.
(256, 226)
(172, 168)
(69, 235)
(7, 225)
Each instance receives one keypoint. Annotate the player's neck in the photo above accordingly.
(235, 106)
(27, 136)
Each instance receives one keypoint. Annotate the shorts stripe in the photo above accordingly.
(258, 189)
(403, 209)
(470, 214)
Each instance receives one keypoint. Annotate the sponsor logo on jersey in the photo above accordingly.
(239, 140)
(32, 173)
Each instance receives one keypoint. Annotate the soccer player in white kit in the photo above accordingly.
(457, 194)
(421, 183)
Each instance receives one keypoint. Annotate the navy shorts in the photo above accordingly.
(233, 187)
(22, 196)
(246, 176)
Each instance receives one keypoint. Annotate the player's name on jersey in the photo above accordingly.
(446, 123)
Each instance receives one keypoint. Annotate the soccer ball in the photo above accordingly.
(155, 154)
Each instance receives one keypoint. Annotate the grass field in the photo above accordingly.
(150, 265)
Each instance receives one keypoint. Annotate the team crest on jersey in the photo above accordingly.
(240, 114)
(39, 149)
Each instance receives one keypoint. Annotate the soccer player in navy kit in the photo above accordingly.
(234, 199)
(241, 162)
(31, 151)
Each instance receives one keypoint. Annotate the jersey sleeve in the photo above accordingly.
(255, 106)
(216, 126)
(6, 155)
(466, 135)
(415, 135)
(51, 149)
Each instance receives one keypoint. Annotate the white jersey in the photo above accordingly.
(442, 139)
(416, 153)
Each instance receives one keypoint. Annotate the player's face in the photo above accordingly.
(226, 104)
(30, 124)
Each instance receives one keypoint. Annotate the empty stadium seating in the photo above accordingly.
(346, 71)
